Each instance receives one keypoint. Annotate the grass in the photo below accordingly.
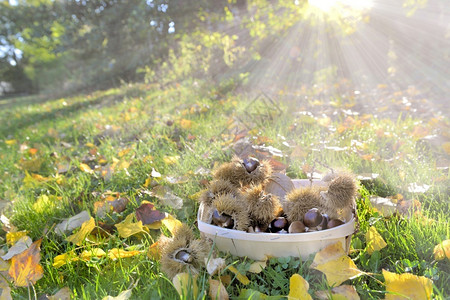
(184, 132)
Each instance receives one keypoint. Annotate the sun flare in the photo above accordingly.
(328, 5)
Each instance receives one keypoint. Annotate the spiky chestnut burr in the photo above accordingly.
(262, 207)
(299, 201)
(339, 198)
(243, 172)
(182, 253)
(235, 207)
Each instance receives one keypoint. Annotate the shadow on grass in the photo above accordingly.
(12, 126)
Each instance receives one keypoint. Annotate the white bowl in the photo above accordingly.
(259, 246)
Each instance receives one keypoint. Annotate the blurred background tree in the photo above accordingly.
(69, 45)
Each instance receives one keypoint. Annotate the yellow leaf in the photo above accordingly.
(124, 152)
(63, 259)
(86, 229)
(374, 240)
(94, 252)
(127, 228)
(85, 168)
(89, 145)
(120, 253)
(147, 182)
(242, 278)
(186, 285)
(154, 251)
(186, 124)
(10, 142)
(13, 237)
(298, 288)
(446, 147)
(170, 160)
(25, 268)
(171, 223)
(407, 286)
(257, 266)
(440, 251)
(44, 203)
(217, 290)
(335, 264)
(342, 292)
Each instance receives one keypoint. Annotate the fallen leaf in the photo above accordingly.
(217, 290)
(85, 168)
(127, 228)
(416, 188)
(408, 207)
(94, 252)
(342, 292)
(242, 278)
(257, 266)
(148, 214)
(335, 264)
(72, 222)
(62, 259)
(25, 268)
(63, 294)
(155, 174)
(171, 223)
(186, 124)
(298, 288)
(279, 185)
(122, 296)
(170, 160)
(102, 208)
(119, 204)
(167, 197)
(124, 152)
(442, 250)
(383, 205)
(13, 237)
(117, 253)
(214, 265)
(10, 142)
(374, 240)
(407, 286)
(20, 246)
(5, 290)
(86, 229)
(186, 285)
(154, 251)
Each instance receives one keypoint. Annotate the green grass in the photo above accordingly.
(138, 118)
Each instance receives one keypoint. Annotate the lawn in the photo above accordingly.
(142, 142)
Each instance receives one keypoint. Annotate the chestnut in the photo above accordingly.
(297, 227)
(258, 229)
(222, 220)
(278, 224)
(312, 218)
(183, 256)
(250, 164)
(324, 224)
(334, 223)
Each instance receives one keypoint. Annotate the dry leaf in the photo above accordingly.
(407, 286)
(127, 228)
(298, 288)
(217, 290)
(119, 204)
(154, 251)
(214, 265)
(122, 296)
(170, 160)
(13, 237)
(86, 229)
(62, 259)
(342, 292)
(117, 253)
(383, 205)
(335, 264)
(94, 252)
(257, 266)
(171, 223)
(85, 168)
(442, 250)
(10, 142)
(20, 246)
(186, 285)
(62, 294)
(102, 208)
(5, 290)
(148, 214)
(374, 240)
(279, 185)
(242, 278)
(72, 223)
(186, 124)
(164, 194)
(25, 267)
